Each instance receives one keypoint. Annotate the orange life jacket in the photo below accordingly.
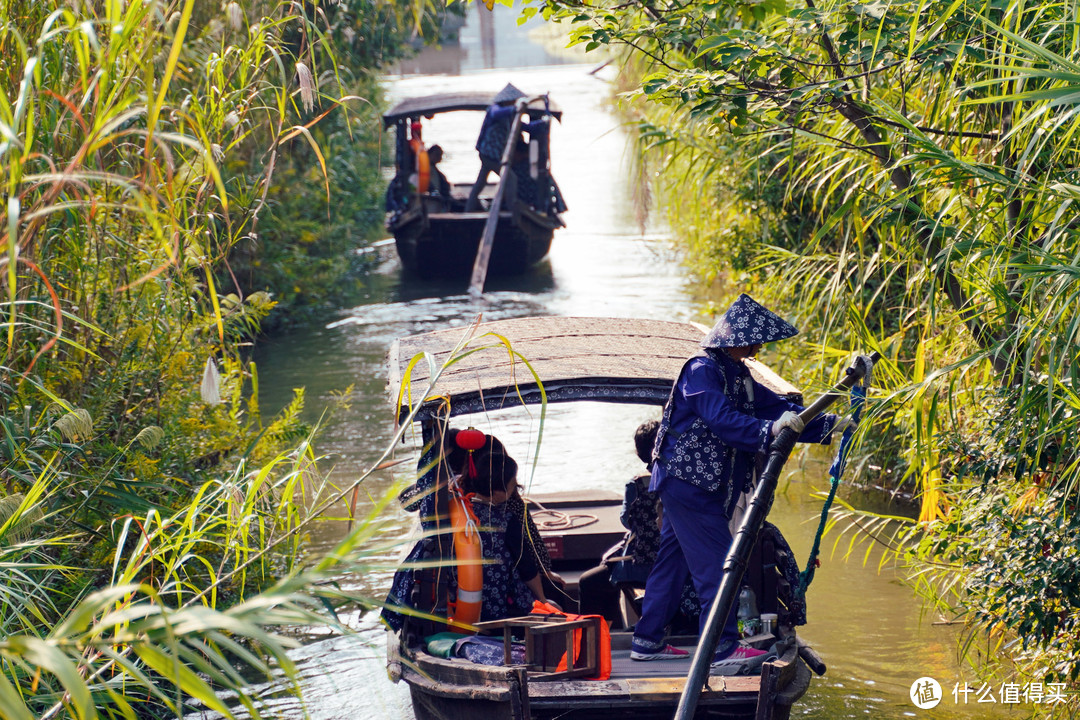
(470, 570)
(423, 165)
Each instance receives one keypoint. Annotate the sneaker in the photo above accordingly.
(743, 660)
(668, 652)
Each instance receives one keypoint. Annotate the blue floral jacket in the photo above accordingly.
(716, 423)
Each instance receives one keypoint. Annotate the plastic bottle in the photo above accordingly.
(747, 614)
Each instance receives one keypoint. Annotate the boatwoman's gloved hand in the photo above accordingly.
(789, 419)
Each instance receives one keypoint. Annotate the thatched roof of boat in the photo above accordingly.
(429, 105)
(575, 358)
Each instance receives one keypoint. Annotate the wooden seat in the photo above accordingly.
(549, 642)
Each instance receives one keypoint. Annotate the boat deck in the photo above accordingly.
(623, 667)
(645, 687)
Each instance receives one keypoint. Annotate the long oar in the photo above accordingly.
(483, 251)
(739, 554)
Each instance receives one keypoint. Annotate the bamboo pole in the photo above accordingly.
(741, 547)
(483, 251)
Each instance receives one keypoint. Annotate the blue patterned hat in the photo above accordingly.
(746, 323)
(507, 95)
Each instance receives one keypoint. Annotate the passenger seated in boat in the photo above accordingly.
(513, 579)
(440, 460)
(439, 186)
(626, 565)
(533, 184)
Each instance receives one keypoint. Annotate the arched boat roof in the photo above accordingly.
(429, 105)
(576, 358)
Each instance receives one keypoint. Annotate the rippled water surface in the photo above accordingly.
(866, 624)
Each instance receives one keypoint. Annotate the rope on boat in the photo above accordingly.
(560, 520)
(457, 495)
(836, 470)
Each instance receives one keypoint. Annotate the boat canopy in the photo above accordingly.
(429, 105)
(496, 364)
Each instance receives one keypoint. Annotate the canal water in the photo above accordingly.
(866, 623)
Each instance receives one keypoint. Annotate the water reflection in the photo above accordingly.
(489, 40)
(866, 624)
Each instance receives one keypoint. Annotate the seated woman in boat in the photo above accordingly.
(442, 459)
(533, 182)
(512, 577)
(439, 186)
(627, 564)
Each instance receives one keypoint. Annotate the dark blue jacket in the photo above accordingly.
(719, 419)
(495, 130)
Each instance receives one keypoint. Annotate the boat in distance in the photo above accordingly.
(436, 235)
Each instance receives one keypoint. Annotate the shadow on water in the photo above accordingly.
(865, 623)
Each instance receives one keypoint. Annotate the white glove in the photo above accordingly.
(789, 419)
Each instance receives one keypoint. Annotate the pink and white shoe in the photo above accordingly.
(743, 660)
(668, 652)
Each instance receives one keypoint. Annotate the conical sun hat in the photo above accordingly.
(747, 322)
(507, 95)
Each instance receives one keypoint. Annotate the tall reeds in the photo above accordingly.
(151, 520)
(901, 178)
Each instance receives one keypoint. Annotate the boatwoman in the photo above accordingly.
(717, 423)
(494, 135)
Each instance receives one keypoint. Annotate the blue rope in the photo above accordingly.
(836, 470)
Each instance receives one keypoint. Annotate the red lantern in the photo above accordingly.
(471, 440)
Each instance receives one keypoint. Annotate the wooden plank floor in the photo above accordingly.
(651, 681)
(623, 667)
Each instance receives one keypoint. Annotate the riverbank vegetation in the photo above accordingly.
(171, 171)
(901, 177)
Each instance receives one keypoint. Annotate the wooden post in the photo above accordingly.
(518, 682)
(483, 251)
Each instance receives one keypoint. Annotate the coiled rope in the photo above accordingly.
(560, 520)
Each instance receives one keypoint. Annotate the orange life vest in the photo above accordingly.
(423, 165)
(469, 554)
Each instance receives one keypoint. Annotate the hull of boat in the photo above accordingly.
(444, 245)
(458, 690)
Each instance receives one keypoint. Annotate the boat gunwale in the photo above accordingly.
(422, 671)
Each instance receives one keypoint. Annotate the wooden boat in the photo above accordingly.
(434, 235)
(576, 359)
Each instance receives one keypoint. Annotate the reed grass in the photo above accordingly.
(949, 243)
(152, 525)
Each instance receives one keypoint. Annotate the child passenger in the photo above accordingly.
(629, 562)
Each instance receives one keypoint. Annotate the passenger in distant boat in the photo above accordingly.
(534, 184)
(627, 564)
(717, 423)
(494, 134)
(439, 185)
